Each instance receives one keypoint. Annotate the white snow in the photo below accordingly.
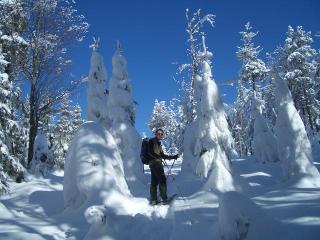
(35, 210)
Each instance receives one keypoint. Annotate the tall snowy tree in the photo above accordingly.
(294, 63)
(12, 27)
(9, 164)
(252, 72)
(97, 95)
(195, 23)
(77, 120)
(208, 141)
(240, 120)
(13, 24)
(62, 132)
(122, 114)
(264, 142)
(294, 147)
(53, 26)
(165, 118)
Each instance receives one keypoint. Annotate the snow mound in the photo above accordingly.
(241, 218)
(93, 168)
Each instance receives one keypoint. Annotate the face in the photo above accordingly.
(159, 135)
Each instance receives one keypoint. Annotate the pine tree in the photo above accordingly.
(97, 96)
(165, 118)
(294, 147)
(294, 63)
(13, 24)
(62, 132)
(121, 113)
(121, 101)
(194, 25)
(9, 164)
(252, 72)
(77, 120)
(208, 143)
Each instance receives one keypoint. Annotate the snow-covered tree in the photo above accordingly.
(53, 26)
(239, 119)
(165, 118)
(252, 72)
(77, 120)
(195, 23)
(122, 116)
(97, 94)
(264, 142)
(9, 163)
(294, 64)
(294, 147)
(62, 132)
(208, 141)
(253, 69)
(13, 24)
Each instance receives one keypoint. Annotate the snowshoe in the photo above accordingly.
(168, 200)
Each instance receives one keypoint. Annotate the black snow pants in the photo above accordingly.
(158, 178)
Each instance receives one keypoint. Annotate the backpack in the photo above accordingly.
(144, 151)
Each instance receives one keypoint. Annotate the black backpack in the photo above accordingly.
(144, 151)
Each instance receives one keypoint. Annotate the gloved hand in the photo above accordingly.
(175, 156)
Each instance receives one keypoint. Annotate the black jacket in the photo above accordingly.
(155, 152)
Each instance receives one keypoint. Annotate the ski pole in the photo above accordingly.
(165, 163)
(169, 172)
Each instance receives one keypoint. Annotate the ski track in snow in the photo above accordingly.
(35, 209)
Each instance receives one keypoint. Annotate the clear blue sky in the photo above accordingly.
(153, 37)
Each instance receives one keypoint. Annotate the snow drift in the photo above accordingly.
(93, 168)
(241, 218)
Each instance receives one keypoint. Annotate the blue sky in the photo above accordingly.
(153, 37)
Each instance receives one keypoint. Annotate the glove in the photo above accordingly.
(175, 156)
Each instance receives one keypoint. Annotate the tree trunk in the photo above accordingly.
(32, 123)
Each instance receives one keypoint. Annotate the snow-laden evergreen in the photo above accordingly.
(294, 64)
(166, 118)
(264, 142)
(97, 94)
(93, 168)
(294, 148)
(208, 140)
(121, 112)
(195, 23)
(9, 163)
(63, 132)
(77, 119)
(252, 72)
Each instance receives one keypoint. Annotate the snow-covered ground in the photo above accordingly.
(266, 209)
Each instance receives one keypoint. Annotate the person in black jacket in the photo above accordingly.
(158, 176)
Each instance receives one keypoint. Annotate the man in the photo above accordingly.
(158, 177)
